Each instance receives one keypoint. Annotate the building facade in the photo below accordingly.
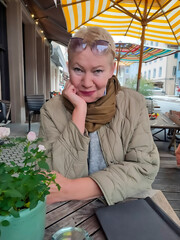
(25, 58)
(162, 71)
(177, 85)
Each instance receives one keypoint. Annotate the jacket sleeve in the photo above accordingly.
(139, 168)
(65, 146)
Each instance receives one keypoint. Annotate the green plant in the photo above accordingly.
(21, 187)
(145, 87)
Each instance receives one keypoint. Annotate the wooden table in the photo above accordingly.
(163, 123)
(82, 214)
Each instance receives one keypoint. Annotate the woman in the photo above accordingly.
(97, 134)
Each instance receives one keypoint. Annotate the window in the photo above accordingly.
(156, 44)
(174, 71)
(149, 74)
(151, 43)
(154, 73)
(160, 72)
(179, 66)
(127, 70)
(176, 55)
(145, 74)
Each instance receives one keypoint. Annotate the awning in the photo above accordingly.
(128, 52)
(50, 18)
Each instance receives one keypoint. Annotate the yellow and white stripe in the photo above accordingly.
(103, 13)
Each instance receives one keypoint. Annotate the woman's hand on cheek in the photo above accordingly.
(70, 93)
(80, 106)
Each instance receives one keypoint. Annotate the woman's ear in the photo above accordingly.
(113, 67)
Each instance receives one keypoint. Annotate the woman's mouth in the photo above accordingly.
(87, 93)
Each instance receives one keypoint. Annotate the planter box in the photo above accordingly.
(29, 226)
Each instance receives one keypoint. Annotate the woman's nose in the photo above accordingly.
(87, 80)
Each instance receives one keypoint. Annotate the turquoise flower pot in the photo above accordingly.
(29, 226)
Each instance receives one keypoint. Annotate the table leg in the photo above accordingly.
(173, 140)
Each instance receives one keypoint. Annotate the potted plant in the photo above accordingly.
(23, 189)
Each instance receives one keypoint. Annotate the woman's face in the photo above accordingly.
(89, 73)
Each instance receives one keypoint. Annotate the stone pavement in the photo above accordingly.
(16, 153)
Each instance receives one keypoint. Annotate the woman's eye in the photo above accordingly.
(76, 69)
(98, 71)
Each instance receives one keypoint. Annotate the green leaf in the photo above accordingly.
(5, 223)
(25, 149)
(13, 193)
(43, 164)
(20, 204)
(14, 213)
(58, 186)
(33, 204)
(30, 160)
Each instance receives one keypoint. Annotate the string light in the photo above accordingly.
(36, 22)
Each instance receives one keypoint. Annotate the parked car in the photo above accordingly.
(158, 91)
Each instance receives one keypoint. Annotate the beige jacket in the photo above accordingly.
(127, 145)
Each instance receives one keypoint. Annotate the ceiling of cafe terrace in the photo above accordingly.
(50, 18)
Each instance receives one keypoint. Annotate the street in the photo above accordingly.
(167, 103)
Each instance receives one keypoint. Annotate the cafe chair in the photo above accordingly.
(34, 104)
(5, 108)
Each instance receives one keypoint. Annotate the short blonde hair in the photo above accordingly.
(90, 34)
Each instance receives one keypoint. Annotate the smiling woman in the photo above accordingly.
(95, 140)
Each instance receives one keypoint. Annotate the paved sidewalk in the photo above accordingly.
(16, 153)
(169, 98)
(18, 129)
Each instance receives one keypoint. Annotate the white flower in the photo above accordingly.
(41, 148)
(31, 136)
(4, 132)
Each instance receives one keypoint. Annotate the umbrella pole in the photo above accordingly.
(118, 59)
(117, 67)
(141, 57)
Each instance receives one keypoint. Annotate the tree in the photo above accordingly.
(145, 88)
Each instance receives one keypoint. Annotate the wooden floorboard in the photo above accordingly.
(168, 177)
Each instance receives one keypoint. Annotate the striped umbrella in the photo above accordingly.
(154, 20)
(128, 53)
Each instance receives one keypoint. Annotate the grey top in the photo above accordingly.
(95, 157)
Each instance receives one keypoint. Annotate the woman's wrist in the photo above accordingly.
(82, 189)
(79, 117)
